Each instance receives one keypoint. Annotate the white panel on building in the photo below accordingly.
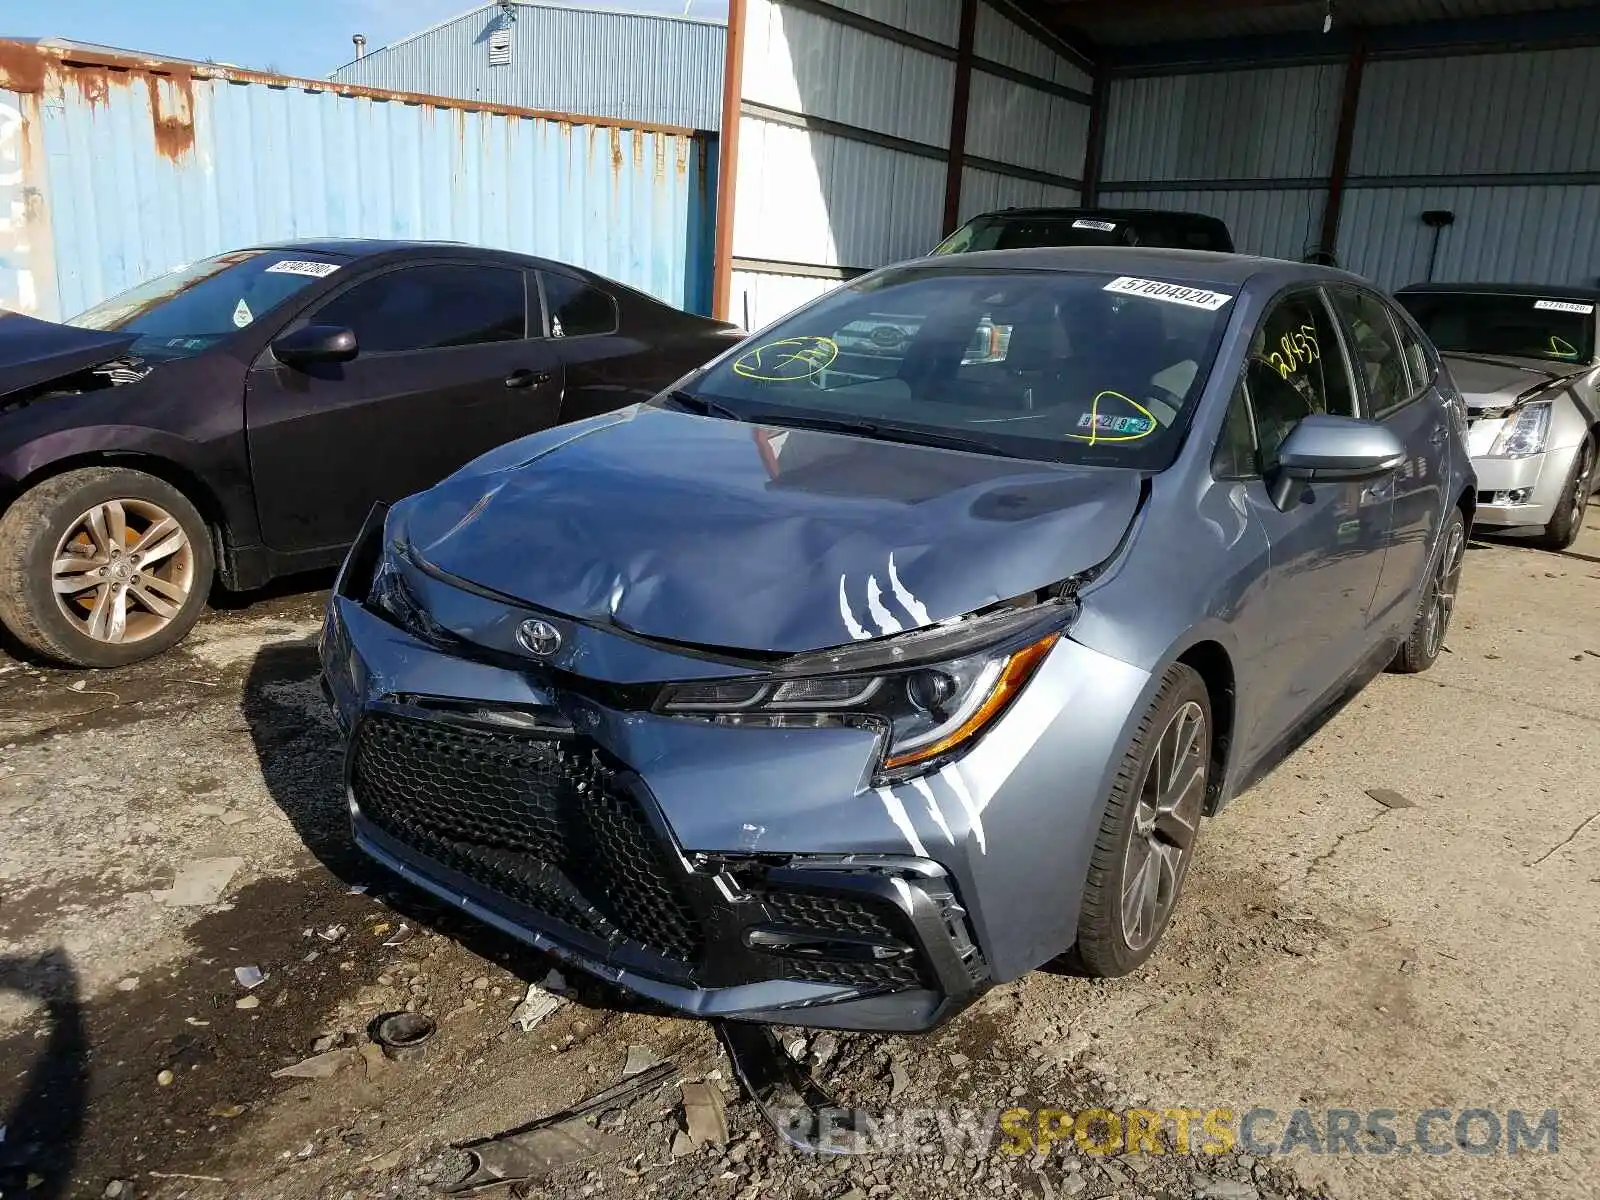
(1001, 40)
(1276, 223)
(936, 20)
(984, 191)
(1025, 127)
(760, 298)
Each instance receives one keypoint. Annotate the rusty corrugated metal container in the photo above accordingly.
(115, 168)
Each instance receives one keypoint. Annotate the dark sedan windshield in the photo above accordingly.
(190, 310)
(1544, 327)
(1067, 367)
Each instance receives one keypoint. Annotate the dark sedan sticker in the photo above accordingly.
(294, 266)
(1170, 293)
(1108, 427)
(788, 360)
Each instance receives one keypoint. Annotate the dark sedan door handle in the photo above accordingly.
(526, 378)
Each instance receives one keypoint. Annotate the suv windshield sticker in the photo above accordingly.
(292, 266)
(1102, 226)
(1107, 427)
(1171, 293)
(787, 360)
(1566, 306)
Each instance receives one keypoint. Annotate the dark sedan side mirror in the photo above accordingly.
(1327, 449)
(316, 344)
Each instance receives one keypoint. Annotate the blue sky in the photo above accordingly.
(297, 37)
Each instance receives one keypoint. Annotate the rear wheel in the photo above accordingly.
(1565, 526)
(103, 566)
(1147, 836)
(1438, 604)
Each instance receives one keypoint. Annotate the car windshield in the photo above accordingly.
(1544, 327)
(191, 309)
(1061, 366)
(1016, 232)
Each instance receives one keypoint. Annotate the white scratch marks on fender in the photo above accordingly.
(902, 820)
(909, 602)
(932, 802)
(857, 631)
(952, 775)
(886, 620)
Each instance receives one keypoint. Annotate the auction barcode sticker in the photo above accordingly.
(1171, 293)
(1566, 306)
(294, 266)
(1102, 226)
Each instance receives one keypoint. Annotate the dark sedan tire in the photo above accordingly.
(103, 566)
(1567, 524)
(1148, 833)
(1438, 603)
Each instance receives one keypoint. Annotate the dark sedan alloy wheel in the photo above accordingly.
(1167, 815)
(123, 571)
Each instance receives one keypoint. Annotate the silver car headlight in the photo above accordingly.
(1525, 433)
(930, 708)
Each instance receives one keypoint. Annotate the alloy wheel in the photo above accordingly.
(1582, 485)
(123, 570)
(1442, 603)
(1171, 799)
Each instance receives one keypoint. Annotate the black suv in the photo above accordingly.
(1013, 228)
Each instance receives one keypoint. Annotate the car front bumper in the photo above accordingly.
(755, 874)
(1515, 493)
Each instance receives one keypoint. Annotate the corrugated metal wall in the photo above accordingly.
(1508, 142)
(126, 173)
(845, 133)
(638, 67)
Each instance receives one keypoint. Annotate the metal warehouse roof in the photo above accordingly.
(604, 62)
(1142, 22)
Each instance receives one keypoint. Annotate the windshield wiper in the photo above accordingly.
(879, 431)
(701, 405)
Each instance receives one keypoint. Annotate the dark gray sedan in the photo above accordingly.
(829, 694)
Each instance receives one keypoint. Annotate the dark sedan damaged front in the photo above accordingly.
(759, 835)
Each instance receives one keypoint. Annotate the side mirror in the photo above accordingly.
(1327, 449)
(316, 344)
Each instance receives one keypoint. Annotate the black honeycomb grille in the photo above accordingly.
(537, 820)
(834, 914)
(849, 917)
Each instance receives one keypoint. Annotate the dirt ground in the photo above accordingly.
(1333, 953)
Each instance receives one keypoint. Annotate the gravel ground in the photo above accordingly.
(1333, 953)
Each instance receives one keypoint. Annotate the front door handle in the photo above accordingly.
(526, 378)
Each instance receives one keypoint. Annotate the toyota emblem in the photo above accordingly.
(539, 638)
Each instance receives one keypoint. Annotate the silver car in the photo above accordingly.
(1525, 358)
(824, 700)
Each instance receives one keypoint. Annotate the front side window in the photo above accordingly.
(1073, 367)
(1546, 328)
(1375, 348)
(1296, 368)
(192, 309)
(431, 308)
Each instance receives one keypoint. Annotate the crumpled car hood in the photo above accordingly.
(723, 534)
(1496, 383)
(34, 351)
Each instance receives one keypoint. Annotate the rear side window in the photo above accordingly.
(1419, 364)
(577, 309)
(432, 308)
(1376, 349)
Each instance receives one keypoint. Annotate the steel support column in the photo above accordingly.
(960, 101)
(1344, 138)
(728, 163)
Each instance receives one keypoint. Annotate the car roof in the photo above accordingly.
(1555, 291)
(1110, 214)
(370, 247)
(1179, 266)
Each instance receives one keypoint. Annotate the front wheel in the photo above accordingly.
(1438, 603)
(1147, 836)
(103, 566)
(1565, 526)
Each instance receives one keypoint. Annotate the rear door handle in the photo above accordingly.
(526, 378)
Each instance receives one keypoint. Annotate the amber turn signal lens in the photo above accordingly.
(1018, 670)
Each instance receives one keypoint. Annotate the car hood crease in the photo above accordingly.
(724, 534)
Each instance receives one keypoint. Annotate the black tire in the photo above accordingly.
(34, 527)
(1104, 948)
(1567, 524)
(1424, 643)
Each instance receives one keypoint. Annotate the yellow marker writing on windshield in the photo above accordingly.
(1115, 429)
(1562, 347)
(788, 360)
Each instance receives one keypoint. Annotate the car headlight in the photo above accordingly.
(928, 709)
(1525, 433)
(393, 600)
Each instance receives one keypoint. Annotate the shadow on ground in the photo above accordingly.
(44, 1124)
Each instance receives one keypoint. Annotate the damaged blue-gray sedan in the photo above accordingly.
(903, 648)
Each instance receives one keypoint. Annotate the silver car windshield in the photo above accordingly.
(1062, 366)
